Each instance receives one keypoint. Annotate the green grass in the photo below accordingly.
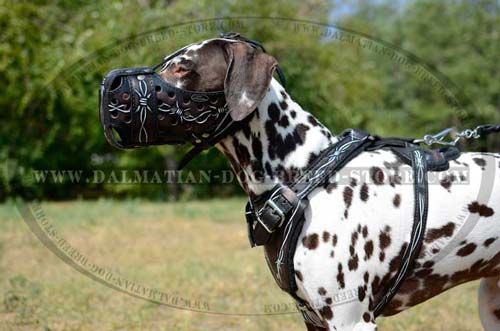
(196, 250)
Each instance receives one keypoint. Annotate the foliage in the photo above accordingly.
(54, 53)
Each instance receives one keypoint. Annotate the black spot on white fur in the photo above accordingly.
(385, 238)
(347, 199)
(279, 146)
(467, 249)
(331, 186)
(368, 250)
(283, 105)
(377, 175)
(340, 276)
(326, 312)
(397, 200)
(274, 112)
(283, 121)
(480, 162)
(437, 233)
(353, 262)
(312, 120)
(489, 241)
(483, 210)
(311, 241)
(364, 193)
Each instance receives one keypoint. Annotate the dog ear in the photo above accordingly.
(248, 76)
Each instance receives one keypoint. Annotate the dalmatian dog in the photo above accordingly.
(357, 227)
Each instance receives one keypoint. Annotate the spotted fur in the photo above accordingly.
(356, 229)
(383, 204)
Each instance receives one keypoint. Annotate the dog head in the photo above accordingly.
(243, 72)
(200, 90)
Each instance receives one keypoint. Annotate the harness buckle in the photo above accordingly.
(275, 211)
(271, 213)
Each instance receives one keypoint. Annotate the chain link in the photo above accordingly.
(468, 134)
(438, 138)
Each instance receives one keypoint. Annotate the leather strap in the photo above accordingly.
(436, 159)
(310, 316)
(417, 235)
(268, 213)
(226, 127)
(275, 219)
(283, 208)
(351, 144)
(487, 129)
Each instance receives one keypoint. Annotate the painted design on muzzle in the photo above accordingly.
(139, 108)
(143, 106)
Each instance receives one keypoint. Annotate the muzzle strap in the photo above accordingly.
(193, 152)
(226, 127)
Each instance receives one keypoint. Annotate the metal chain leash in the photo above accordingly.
(438, 138)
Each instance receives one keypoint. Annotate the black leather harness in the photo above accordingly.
(275, 219)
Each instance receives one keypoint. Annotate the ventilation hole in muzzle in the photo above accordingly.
(213, 100)
(171, 94)
(186, 100)
(115, 134)
(117, 82)
(125, 96)
(158, 88)
(114, 101)
(200, 106)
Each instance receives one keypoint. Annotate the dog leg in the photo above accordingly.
(489, 303)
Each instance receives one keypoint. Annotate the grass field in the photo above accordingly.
(195, 250)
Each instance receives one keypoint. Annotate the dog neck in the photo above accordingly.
(278, 140)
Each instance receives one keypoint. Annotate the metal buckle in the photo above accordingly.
(275, 210)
